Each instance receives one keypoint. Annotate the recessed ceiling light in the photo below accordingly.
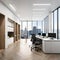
(41, 4)
(12, 7)
(39, 9)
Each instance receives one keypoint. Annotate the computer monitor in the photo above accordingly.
(39, 33)
(52, 35)
(43, 34)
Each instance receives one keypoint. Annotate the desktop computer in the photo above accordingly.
(52, 35)
(39, 34)
(43, 34)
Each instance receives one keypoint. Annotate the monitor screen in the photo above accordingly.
(39, 33)
(43, 34)
(53, 35)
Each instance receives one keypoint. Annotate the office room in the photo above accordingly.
(29, 30)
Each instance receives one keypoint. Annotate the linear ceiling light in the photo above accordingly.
(12, 7)
(41, 4)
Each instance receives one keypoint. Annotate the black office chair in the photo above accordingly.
(36, 43)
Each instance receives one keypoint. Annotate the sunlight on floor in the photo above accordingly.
(26, 41)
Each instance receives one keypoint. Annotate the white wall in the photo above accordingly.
(8, 14)
(4, 10)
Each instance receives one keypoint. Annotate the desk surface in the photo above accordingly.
(45, 38)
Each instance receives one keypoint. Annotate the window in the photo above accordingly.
(29, 28)
(39, 26)
(52, 23)
(46, 24)
(34, 29)
(55, 22)
(24, 29)
(59, 23)
(42, 27)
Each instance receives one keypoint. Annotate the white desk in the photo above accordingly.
(50, 45)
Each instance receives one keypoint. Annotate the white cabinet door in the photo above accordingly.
(47, 47)
(56, 47)
(51, 46)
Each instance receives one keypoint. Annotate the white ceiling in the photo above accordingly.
(24, 8)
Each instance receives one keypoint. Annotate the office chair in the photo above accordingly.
(36, 43)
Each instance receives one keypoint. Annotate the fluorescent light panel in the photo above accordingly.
(41, 4)
(12, 7)
(37, 12)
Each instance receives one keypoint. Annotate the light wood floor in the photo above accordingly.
(22, 51)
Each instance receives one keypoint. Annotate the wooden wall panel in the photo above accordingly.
(19, 32)
(16, 32)
(2, 31)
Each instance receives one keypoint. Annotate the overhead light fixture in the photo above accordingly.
(41, 4)
(12, 7)
(39, 9)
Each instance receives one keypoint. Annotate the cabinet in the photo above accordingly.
(51, 46)
(47, 47)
